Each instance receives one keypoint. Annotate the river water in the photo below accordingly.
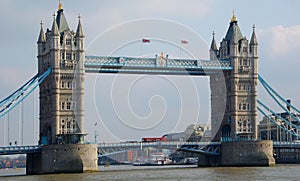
(178, 173)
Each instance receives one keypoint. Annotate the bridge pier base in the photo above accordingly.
(63, 158)
(241, 153)
(209, 161)
(247, 153)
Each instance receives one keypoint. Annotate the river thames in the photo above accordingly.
(178, 173)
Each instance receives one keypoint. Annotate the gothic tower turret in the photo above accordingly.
(61, 94)
(213, 51)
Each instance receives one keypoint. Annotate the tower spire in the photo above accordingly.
(61, 20)
(60, 6)
(253, 40)
(54, 30)
(42, 37)
(233, 18)
(213, 45)
(79, 31)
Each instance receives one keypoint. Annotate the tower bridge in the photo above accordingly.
(62, 65)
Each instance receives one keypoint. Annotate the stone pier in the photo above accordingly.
(241, 153)
(63, 158)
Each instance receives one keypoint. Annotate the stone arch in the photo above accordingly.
(226, 133)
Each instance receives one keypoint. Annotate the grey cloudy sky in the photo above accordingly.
(129, 107)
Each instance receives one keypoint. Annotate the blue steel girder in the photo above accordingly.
(131, 65)
(290, 145)
(10, 102)
(12, 150)
(207, 148)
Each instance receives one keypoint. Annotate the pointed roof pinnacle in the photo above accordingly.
(42, 37)
(61, 19)
(253, 40)
(233, 19)
(79, 31)
(234, 33)
(213, 45)
(54, 30)
(60, 6)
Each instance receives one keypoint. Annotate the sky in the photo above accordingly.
(128, 107)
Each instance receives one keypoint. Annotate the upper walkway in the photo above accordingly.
(157, 65)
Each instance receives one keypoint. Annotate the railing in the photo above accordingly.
(286, 144)
(145, 144)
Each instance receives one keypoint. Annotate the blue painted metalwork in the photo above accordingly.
(11, 150)
(158, 65)
(19, 95)
(289, 145)
(113, 153)
(283, 123)
(208, 148)
(271, 92)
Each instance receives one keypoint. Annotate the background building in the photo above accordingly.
(271, 131)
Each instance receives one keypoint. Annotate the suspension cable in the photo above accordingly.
(271, 91)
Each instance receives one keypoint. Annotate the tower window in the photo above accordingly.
(68, 125)
(69, 56)
(62, 106)
(68, 105)
(62, 55)
(248, 88)
(245, 62)
(62, 84)
(68, 41)
(69, 85)
(244, 107)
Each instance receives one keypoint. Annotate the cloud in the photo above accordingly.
(282, 40)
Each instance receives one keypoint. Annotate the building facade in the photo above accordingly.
(234, 93)
(61, 94)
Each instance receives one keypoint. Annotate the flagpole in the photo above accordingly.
(182, 42)
(142, 50)
(144, 41)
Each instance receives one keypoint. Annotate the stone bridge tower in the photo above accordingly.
(234, 93)
(63, 148)
(233, 103)
(61, 94)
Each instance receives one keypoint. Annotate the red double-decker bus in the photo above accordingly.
(154, 139)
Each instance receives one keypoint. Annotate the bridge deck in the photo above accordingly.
(12, 150)
(188, 146)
